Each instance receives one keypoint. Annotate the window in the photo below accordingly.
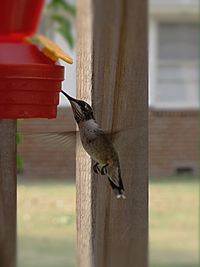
(177, 65)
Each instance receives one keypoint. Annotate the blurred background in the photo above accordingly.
(46, 171)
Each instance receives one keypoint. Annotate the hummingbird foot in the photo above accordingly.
(96, 168)
(102, 170)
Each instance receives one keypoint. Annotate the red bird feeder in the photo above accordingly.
(30, 82)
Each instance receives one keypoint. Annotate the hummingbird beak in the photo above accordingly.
(75, 106)
(69, 97)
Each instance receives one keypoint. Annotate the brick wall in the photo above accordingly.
(174, 141)
(43, 156)
(173, 144)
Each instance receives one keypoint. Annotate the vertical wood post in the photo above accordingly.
(112, 75)
(7, 193)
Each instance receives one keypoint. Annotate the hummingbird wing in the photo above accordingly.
(113, 135)
(67, 138)
(116, 137)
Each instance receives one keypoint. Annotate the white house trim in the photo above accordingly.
(154, 20)
(152, 60)
(182, 9)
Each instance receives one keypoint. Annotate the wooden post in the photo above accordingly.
(112, 75)
(7, 193)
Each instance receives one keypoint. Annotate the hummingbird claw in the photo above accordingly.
(96, 168)
(104, 170)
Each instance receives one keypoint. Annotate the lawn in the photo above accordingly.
(174, 205)
(46, 224)
(47, 232)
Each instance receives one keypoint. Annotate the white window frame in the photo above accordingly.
(154, 21)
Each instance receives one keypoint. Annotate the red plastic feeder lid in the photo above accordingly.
(29, 82)
(26, 60)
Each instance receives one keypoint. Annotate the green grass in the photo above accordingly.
(174, 222)
(46, 223)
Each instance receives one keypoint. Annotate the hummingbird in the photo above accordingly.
(98, 145)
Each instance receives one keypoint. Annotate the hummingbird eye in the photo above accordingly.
(86, 106)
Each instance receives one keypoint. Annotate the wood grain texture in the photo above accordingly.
(112, 74)
(7, 193)
(83, 162)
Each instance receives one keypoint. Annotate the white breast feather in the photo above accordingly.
(88, 128)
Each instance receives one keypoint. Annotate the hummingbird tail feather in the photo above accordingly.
(121, 196)
(118, 189)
